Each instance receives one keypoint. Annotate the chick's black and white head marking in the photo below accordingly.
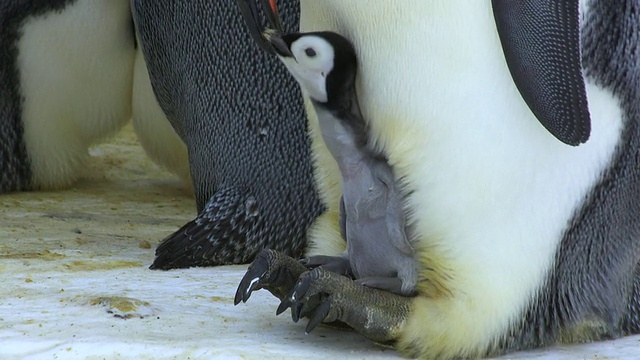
(324, 63)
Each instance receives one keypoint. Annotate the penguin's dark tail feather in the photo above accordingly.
(229, 230)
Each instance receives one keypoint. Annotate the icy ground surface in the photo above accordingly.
(75, 282)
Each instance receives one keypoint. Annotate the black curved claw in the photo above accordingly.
(295, 312)
(251, 280)
(310, 306)
(294, 297)
(271, 270)
(317, 304)
(284, 305)
(249, 10)
(320, 314)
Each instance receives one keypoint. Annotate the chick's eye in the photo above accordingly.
(310, 52)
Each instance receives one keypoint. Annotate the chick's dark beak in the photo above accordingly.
(274, 38)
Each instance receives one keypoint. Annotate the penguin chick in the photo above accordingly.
(372, 217)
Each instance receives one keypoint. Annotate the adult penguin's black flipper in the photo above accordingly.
(541, 43)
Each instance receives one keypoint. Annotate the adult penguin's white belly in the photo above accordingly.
(75, 72)
(492, 191)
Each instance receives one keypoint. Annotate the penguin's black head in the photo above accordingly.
(324, 63)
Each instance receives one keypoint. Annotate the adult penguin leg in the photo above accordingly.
(325, 296)
(248, 151)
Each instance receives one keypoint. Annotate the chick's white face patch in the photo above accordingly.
(312, 62)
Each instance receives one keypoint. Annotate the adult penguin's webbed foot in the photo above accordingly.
(325, 296)
(271, 270)
(229, 230)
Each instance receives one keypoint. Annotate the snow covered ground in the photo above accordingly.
(75, 283)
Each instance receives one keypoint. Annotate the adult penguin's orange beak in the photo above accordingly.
(274, 38)
(251, 14)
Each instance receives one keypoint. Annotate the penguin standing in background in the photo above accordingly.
(249, 152)
(70, 75)
(65, 83)
(515, 128)
(156, 135)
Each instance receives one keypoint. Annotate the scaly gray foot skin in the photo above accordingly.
(325, 296)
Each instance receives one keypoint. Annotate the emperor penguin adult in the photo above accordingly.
(515, 127)
(249, 152)
(65, 82)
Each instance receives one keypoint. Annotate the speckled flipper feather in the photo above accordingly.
(242, 118)
(228, 231)
(541, 43)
